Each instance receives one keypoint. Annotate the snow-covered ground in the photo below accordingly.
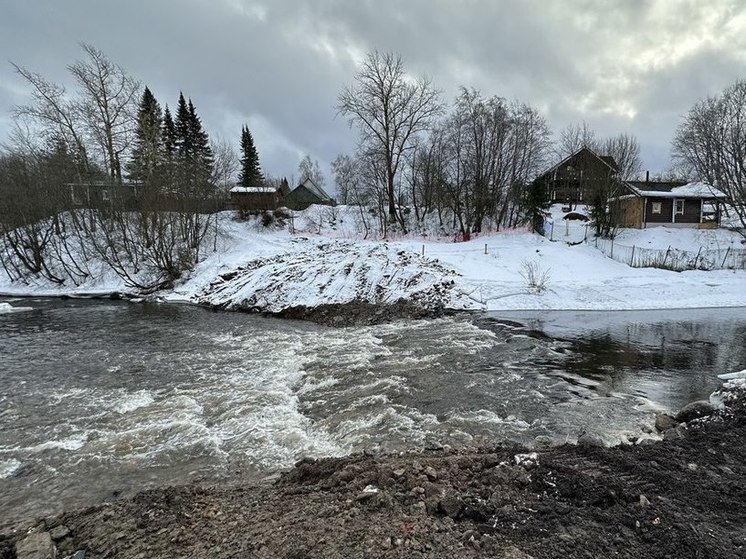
(260, 269)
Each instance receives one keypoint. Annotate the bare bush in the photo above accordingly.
(537, 279)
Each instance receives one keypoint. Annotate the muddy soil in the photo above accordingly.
(684, 496)
(360, 313)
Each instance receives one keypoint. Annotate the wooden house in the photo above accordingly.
(101, 194)
(305, 194)
(673, 204)
(573, 179)
(255, 199)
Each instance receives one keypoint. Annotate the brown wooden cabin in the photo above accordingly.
(102, 193)
(255, 199)
(575, 177)
(670, 204)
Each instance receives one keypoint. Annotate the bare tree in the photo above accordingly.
(226, 163)
(625, 149)
(309, 169)
(576, 136)
(52, 116)
(710, 144)
(108, 105)
(390, 109)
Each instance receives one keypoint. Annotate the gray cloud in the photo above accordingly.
(633, 66)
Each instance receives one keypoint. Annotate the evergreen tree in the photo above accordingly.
(193, 153)
(202, 155)
(146, 154)
(251, 174)
(183, 129)
(168, 150)
(535, 203)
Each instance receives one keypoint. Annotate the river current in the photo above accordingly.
(103, 399)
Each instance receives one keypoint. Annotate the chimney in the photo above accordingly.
(647, 176)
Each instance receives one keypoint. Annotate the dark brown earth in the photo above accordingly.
(681, 497)
(358, 313)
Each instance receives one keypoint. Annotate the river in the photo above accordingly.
(101, 399)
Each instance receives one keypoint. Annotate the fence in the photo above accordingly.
(672, 258)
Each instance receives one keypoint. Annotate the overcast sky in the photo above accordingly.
(633, 66)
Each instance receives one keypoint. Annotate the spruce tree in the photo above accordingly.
(183, 128)
(194, 158)
(168, 151)
(146, 154)
(251, 174)
(202, 156)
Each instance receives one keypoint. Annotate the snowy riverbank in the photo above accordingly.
(262, 270)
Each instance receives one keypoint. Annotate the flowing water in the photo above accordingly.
(100, 399)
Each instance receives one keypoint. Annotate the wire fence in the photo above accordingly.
(728, 258)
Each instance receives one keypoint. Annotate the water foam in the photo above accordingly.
(9, 467)
(134, 401)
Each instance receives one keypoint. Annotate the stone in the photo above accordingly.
(37, 545)
(431, 474)
(664, 422)
(59, 532)
(695, 410)
(644, 501)
(451, 505)
(512, 552)
(590, 439)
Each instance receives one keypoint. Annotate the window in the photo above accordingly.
(679, 207)
(656, 207)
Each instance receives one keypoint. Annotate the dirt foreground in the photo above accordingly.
(681, 497)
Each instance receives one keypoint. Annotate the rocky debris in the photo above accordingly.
(695, 410)
(664, 422)
(37, 545)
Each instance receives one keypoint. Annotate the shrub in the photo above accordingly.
(537, 279)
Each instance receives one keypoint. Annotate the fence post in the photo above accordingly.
(423, 250)
(485, 248)
(726, 258)
(632, 259)
(612, 249)
(666, 256)
(697, 257)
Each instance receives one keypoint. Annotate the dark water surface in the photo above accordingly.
(99, 399)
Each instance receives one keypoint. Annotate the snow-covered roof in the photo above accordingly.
(253, 190)
(689, 190)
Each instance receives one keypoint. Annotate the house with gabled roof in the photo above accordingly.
(574, 178)
(305, 194)
(668, 203)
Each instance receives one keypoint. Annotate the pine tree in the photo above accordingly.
(194, 158)
(202, 155)
(535, 203)
(168, 150)
(183, 129)
(146, 154)
(251, 174)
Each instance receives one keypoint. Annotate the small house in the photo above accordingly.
(305, 194)
(255, 199)
(673, 204)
